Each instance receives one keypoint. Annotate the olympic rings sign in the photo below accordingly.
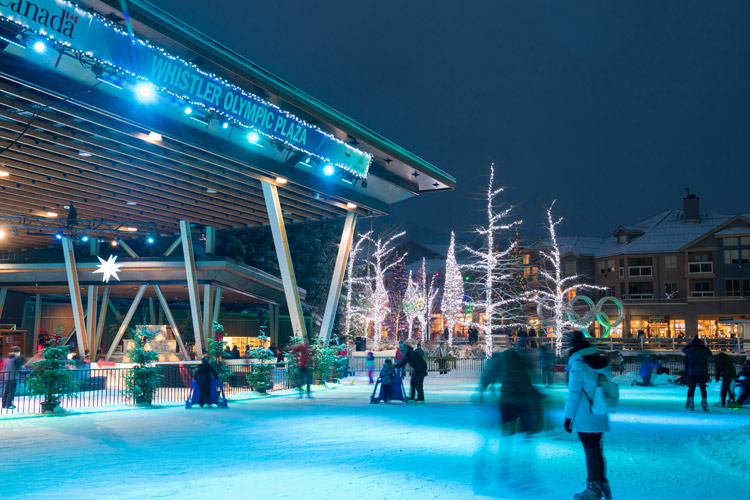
(583, 321)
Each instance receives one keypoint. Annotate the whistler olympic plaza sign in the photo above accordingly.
(88, 33)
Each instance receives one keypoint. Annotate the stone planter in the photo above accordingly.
(49, 406)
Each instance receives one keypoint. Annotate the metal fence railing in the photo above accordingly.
(104, 386)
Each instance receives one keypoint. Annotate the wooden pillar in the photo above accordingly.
(168, 313)
(280, 242)
(99, 332)
(334, 292)
(126, 321)
(192, 283)
(91, 300)
(37, 320)
(217, 310)
(75, 293)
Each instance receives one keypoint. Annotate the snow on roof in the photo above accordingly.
(734, 231)
(664, 232)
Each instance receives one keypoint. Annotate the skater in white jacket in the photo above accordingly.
(585, 365)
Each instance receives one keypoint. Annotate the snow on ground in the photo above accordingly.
(337, 445)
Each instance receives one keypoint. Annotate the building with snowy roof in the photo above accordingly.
(680, 272)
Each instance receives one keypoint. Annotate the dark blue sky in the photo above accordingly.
(612, 108)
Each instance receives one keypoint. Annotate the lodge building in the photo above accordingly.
(681, 272)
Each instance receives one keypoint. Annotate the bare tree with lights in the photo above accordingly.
(379, 299)
(410, 304)
(453, 289)
(496, 266)
(552, 298)
(426, 301)
(352, 310)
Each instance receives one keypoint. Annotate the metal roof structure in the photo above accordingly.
(71, 130)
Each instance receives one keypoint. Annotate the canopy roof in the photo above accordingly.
(65, 136)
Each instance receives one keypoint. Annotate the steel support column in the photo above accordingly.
(98, 333)
(168, 313)
(3, 295)
(91, 299)
(192, 283)
(208, 302)
(75, 293)
(126, 319)
(332, 303)
(217, 309)
(280, 242)
(37, 320)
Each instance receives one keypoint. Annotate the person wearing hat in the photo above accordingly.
(13, 364)
(585, 366)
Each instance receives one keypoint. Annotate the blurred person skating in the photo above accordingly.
(386, 380)
(648, 366)
(12, 367)
(370, 365)
(725, 371)
(520, 402)
(398, 357)
(744, 381)
(546, 360)
(585, 366)
(203, 375)
(419, 371)
(696, 359)
(302, 350)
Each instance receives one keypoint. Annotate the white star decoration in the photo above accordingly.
(108, 268)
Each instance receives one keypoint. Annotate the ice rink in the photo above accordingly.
(339, 446)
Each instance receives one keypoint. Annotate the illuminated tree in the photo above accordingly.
(426, 295)
(495, 267)
(352, 310)
(552, 298)
(410, 304)
(453, 289)
(378, 306)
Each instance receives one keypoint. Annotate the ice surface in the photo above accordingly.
(338, 446)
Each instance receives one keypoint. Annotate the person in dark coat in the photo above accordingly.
(234, 353)
(697, 356)
(519, 399)
(419, 371)
(725, 371)
(386, 379)
(546, 360)
(203, 375)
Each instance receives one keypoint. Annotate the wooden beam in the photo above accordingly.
(75, 293)
(280, 242)
(91, 299)
(126, 321)
(208, 302)
(334, 292)
(99, 333)
(192, 283)
(170, 319)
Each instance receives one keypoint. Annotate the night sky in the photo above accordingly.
(612, 108)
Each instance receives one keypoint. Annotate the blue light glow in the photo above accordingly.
(84, 237)
(329, 170)
(39, 47)
(150, 240)
(145, 92)
(253, 137)
(188, 110)
(59, 235)
(225, 125)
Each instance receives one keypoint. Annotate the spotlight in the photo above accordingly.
(115, 242)
(59, 235)
(188, 110)
(145, 92)
(39, 47)
(328, 170)
(2, 233)
(84, 237)
(150, 240)
(351, 206)
(253, 137)
(281, 180)
(225, 125)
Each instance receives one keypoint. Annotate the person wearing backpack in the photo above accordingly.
(585, 366)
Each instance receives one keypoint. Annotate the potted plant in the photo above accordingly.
(142, 380)
(51, 377)
(260, 375)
